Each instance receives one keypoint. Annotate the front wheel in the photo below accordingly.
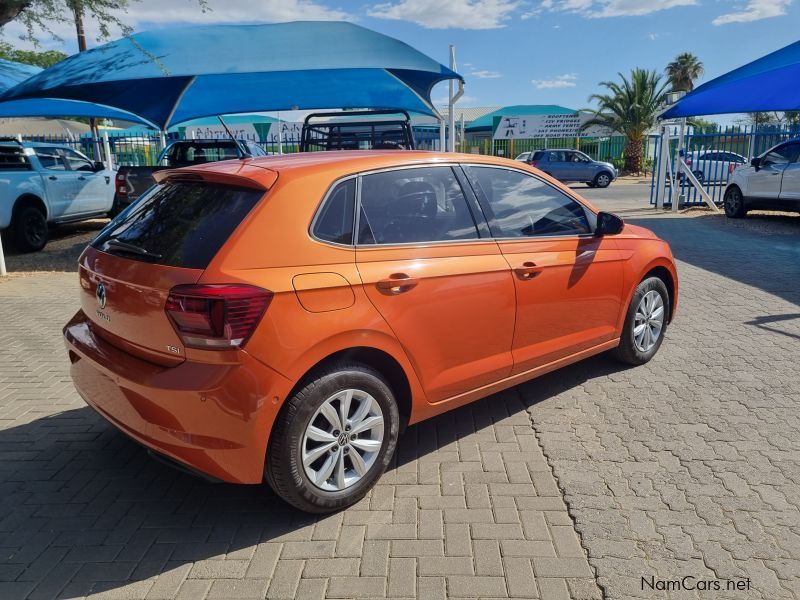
(333, 439)
(645, 323)
(602, 180)
(733, 202)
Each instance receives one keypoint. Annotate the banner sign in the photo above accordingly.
(529, 127)
(263, 133)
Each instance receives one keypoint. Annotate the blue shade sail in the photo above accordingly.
(769, 83)
(13, 73)
(172, 75)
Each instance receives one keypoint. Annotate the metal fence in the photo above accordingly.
(713, 155)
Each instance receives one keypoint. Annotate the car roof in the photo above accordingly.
(35, 144)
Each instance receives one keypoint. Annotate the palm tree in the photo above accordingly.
(630, 108)
(682, 72)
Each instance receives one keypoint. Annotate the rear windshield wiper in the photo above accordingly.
(129, 248)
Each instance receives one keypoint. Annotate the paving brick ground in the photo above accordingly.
(687, 466)
(469, 509)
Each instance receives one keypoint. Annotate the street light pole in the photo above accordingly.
(77, 10)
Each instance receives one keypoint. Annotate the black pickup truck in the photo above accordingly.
(132, 182)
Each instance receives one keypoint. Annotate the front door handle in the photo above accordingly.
(82, 178)
(396, 283)
(53, 177)
(528, 270)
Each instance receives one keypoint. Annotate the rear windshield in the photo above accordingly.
(181, 224)
(538, 155)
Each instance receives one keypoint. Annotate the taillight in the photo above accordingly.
(731, 168)
(216, 316)
(688, 160)
(121, 184)
(534, 163)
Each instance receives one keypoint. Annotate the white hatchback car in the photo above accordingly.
(712, 165)
(771, 182)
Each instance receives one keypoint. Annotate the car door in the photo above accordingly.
(568, 281)
(94, 191)
(430, 267)
(57, 181)
(765, 181)
(557, 165)
(790, 182)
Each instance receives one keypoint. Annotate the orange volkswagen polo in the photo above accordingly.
(284, 318)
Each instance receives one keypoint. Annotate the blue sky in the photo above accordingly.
(522, 51)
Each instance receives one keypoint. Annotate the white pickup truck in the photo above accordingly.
(45, 184)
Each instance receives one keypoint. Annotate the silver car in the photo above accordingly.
(771, 182)
(571, 165)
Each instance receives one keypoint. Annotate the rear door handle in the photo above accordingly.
(82, 178)
(396, 283)
(528, 270)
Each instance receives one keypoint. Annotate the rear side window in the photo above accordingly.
(182, 224)
(414, 206)
(520, 205)
(12, 158)
(334, 222)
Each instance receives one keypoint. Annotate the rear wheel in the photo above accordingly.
(733, 202)
(602, 180)
(29, 227)
(333, 439)
(645, 323)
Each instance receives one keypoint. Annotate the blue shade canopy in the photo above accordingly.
(769, 83)
(172, 75)
(12, 73)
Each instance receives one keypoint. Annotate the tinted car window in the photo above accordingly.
(539, 155)
(178, 224)
(781, 155)
(51, 159)
(77, 162)
(412, 206)
(520, 205)
(335, 220)
(556, 157)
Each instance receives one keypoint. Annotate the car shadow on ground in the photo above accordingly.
(64, 246)
(713, 244)
(82, 502)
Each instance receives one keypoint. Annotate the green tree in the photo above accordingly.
(703, 124)
(630, 107)
(39, 16)
(43, 59)
(682, 72)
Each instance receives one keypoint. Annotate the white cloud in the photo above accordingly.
(613, 8)
(452, 14)
(567, 80)
(653, 36)
(754, 10)
(486, 74)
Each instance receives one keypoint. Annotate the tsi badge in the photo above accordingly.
(100, 295)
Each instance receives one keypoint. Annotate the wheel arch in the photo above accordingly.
(664, 274)
(32, 199)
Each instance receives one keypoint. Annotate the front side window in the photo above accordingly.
(414, 206)
(521, 205)
(334, 222)
(77, 162)
(781, 155)
(51, 159)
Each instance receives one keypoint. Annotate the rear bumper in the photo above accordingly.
(213, 418)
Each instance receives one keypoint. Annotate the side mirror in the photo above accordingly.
(608, 224)
(755, 162)
(99, 166)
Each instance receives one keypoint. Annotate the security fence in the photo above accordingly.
(607, 149)
(713, 155)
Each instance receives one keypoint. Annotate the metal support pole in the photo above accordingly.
(663, 155)
(107, 151)
(676, 195)
(162, 137)
(463, 134)
(2, 261)
(442, 128)
(453, 98)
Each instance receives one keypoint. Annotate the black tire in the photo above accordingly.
(284, 469)
(590, 184)
(627, 350)
(29, 228)
(733, 202)
(602, 179)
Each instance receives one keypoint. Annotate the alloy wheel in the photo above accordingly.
(342, 440)
(648, 321)
(35, 228)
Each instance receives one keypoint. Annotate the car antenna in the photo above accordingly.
(245, 153)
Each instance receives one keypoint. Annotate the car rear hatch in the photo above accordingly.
(149, 259)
